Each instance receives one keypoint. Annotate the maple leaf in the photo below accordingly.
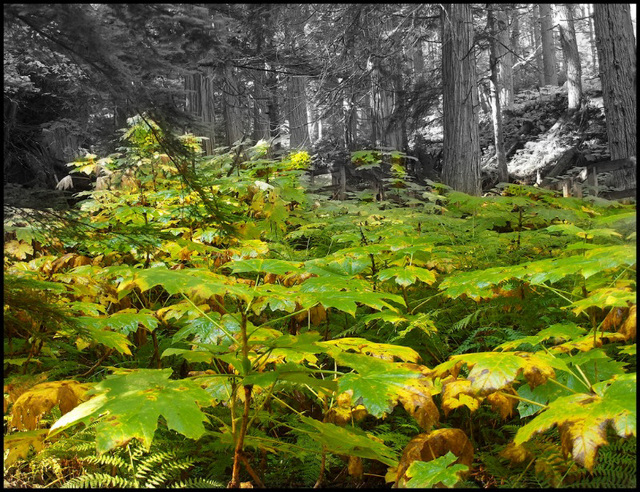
(582, 419)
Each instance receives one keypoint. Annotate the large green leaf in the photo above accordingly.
(407, 275)
(476, 283)
(582, 419)
(279, 267)
(427, 474)
(132, 401)
(350, 441)
(379, 384)
(493, 371)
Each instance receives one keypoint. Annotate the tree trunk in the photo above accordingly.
(200, 104)
(617, 59)
(232, 110)
(260, 107)
(548, 46)
(571, 55)
(496, 110)
(535, 27)
(592, 38)
(297, 109)
(505, 58)
(514, 43)
(461, 167)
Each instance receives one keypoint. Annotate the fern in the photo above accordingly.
(616, 466)
(197, 483)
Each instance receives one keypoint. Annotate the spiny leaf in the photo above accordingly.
(133, 400)
(379, 385)
(350, 441)
(492, 371)
(18, 445)
(35, 402)
(407, 275)
(583, 419)
(427, 474)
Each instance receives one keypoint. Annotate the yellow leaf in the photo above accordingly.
(628, 328)
(18, 249)
(34, 403)
(582, 438)
(355, 467)
(516, 453)
(458, 393)
(502, 403)
(17, 445)
(432, 445)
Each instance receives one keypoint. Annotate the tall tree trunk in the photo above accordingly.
(548, 45)
(504, 57)
(200, 104)
(260, 107)
(592, 39)
(535, 27)
(418, 63)
(514, 44)
(496, 109)
(571, 55)
(296, 84)
(461, 167)
(231, 99)
(350, 120)
(617, 57)
(297, 112)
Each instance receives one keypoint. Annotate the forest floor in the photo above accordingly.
(539, 135)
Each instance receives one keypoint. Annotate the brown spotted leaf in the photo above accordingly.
(458, 393)
(17, 445)
(40, 399)
(133, 400)
(432, 445)
(582, 419)
(628, 328)
(493, 371)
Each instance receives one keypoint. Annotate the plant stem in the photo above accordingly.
(238, 452)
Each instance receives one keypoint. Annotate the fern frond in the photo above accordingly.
(197, 483)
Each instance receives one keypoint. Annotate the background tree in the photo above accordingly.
(496, 51)
(617, 60)
(548, 44)
(461, 153)
(564, 13)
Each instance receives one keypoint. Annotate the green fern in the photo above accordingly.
(615, 467)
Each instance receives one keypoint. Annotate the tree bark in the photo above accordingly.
(297, 109)
(548, 45)
(496, 109)
(461, 167)
(592, 39)
(571, 56)
(231, 100)
(535, 26)
(617, 59)
(514, 43)
(503, 56)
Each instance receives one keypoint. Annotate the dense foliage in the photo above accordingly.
(204, 320)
